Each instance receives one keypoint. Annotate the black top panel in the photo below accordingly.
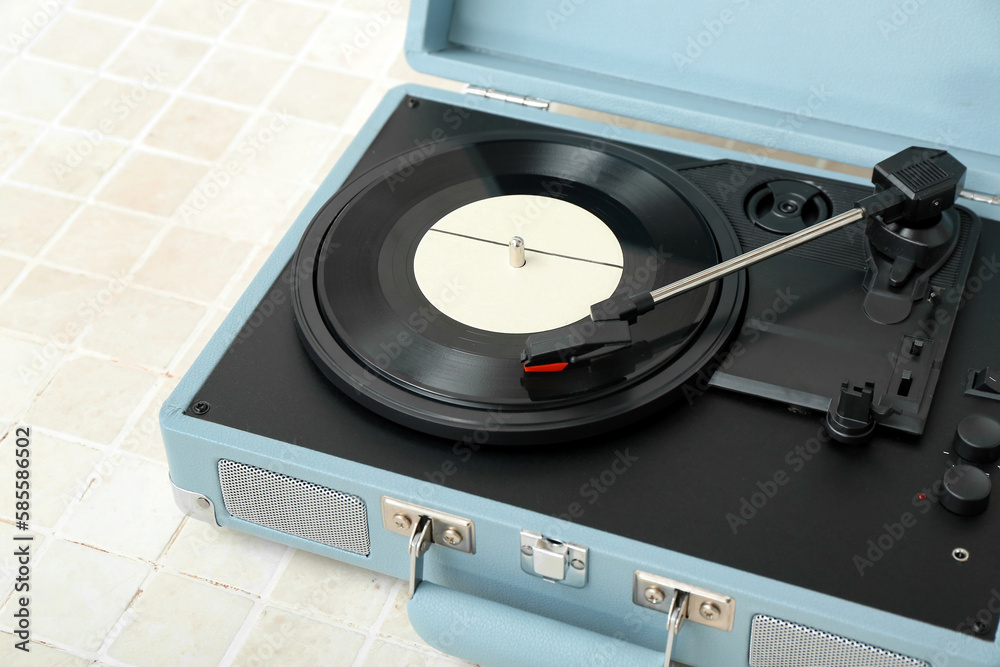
(726, 477)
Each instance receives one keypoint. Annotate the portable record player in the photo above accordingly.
(606, 397)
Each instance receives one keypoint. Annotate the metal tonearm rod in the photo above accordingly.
(758, 255)
(912, 188)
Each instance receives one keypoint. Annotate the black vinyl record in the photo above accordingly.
(370, 329)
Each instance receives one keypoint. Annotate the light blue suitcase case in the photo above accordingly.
(851, 81)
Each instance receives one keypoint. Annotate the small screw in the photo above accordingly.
(577, 564)
(413, 103)
(655, 595)
(402, 521)
(527, 550)
(202, 502)
(709, 611)
(960, 554)
(452, 536)
(980, 628)
(200, 408)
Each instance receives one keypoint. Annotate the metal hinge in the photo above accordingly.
(425, 527)
(493, 94)
(681, 602)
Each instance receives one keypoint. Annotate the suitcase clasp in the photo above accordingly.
(682, 602)
(425, 527)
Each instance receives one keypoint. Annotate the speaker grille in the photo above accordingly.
(778, 643)
(294, 506)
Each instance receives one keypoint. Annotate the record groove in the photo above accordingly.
(370, 329)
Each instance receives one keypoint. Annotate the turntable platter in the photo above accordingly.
(364, 314)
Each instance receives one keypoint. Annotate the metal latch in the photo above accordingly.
(552, 560)
(425, 527)
(513, 98)
(681, 602)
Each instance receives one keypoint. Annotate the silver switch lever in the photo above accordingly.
(420, 542)
(675, 619)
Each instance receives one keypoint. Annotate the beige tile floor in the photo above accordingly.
(120, 253)
(152, 152)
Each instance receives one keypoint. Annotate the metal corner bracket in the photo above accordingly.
(196, 505)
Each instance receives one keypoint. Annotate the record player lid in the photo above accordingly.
(851, 81)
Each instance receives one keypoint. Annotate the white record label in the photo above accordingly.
(572, 261)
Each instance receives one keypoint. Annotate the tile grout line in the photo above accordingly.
(92, 75)
(202, 97)
(150, 248)
(255, 614)
(68, 512)
(240, 638)
(123, 621)
(150, 218)
(372, 634)
(17, 54)
(54, 238)
(256, 249)
(205, 39)
(105, 178)
(262, 109)
(137, 265)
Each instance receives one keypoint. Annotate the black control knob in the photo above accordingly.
(978, 439)
(966, 490)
